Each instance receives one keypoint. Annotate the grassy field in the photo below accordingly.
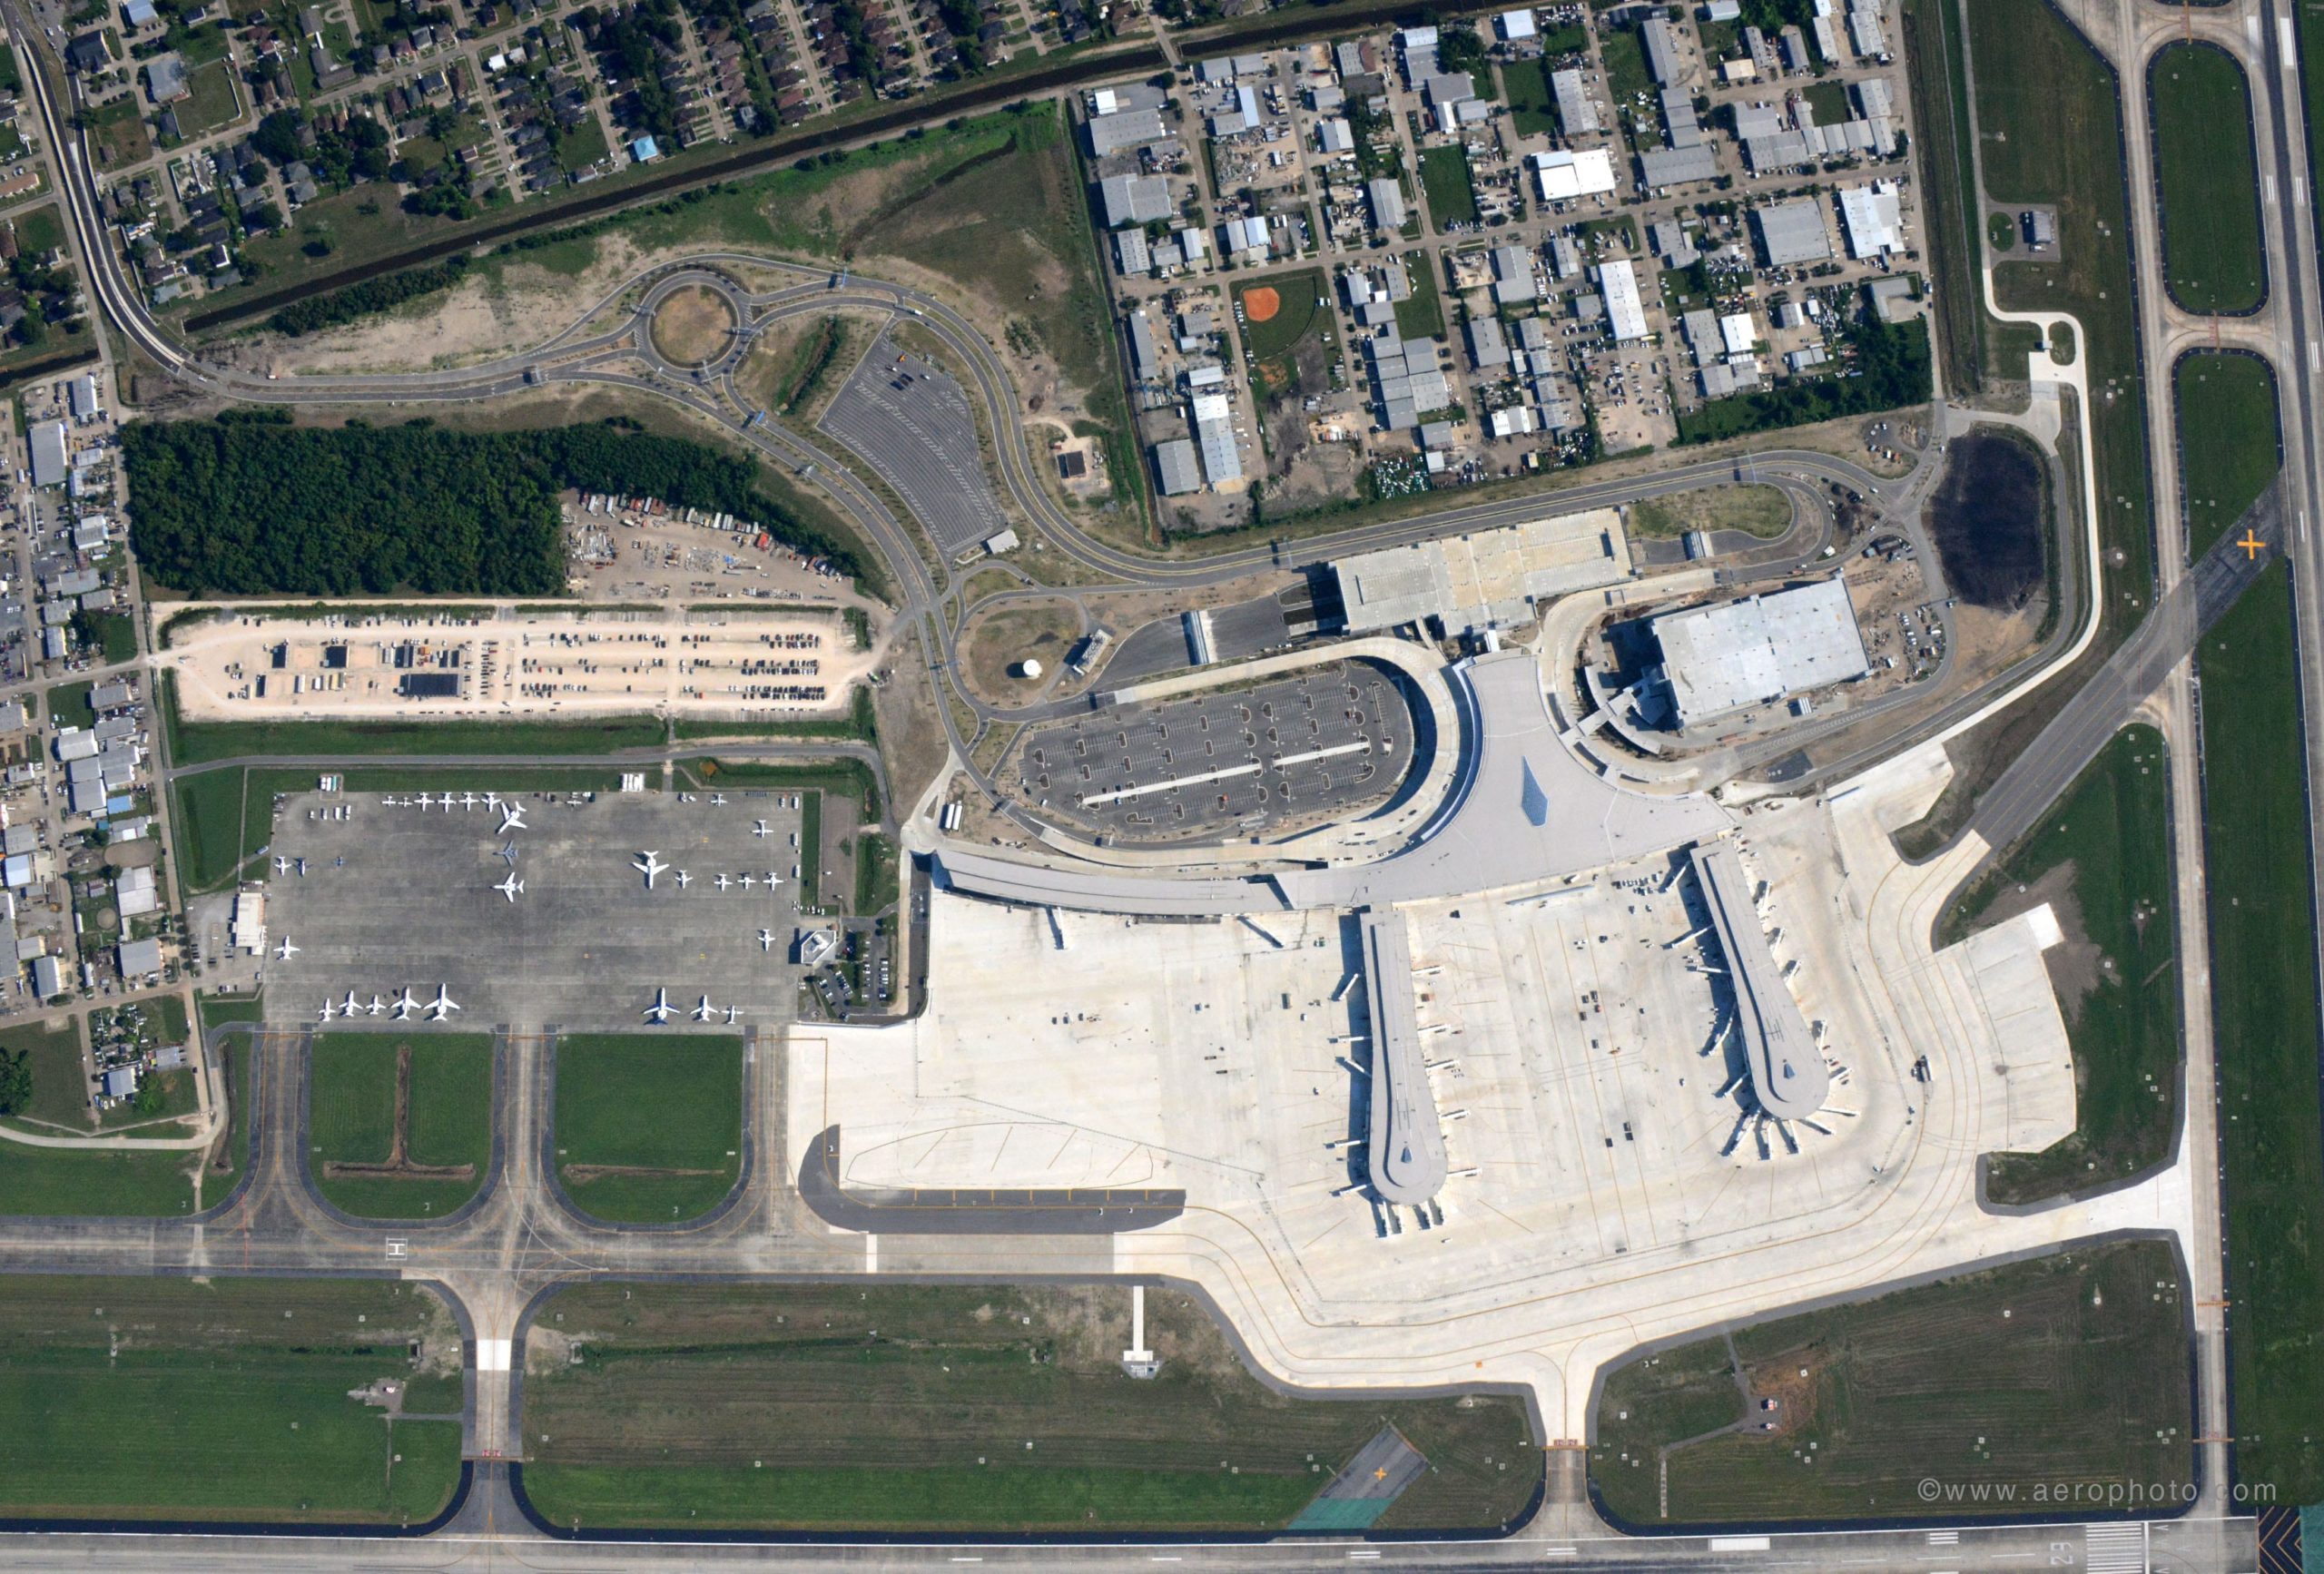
(1626, 74)
(1760, 511)
(2074, 1385)
(2051, 124)
(116, 636)
(360, 226)
(1444, 176)
(649, 1126)
(2229, 446)
(212, 102)
(353, 1117)
(2107, 844)
(2210, 177)
(118, 134)
(1531, 104)
(1302, 307)
(164, 1398)
(835, 1407)
(1420, 314)
(59, 1085)
(79, 1183)
(1934, 60)
(199, 743)
(2265, 1022)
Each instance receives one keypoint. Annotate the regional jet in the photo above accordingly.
(705, 1011)
(511, 819)
(659, 1011)
(723, 882)
(766, 939)
(350, 1006)
(760, 827)
(511, 887)
(683, 879)
(376, 1005)
(649, 864)
(442, 1005)
(286, 951)
(405, 1005)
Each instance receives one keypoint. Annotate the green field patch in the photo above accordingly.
(2101, 858)
(649, 1126)
(2085, 1379)
(165, 1399)
(1533, 104)
(95, 1183)
(1299, 309)
(211, 102)
(1444, 176)
(2229, 440)
(399, 1126)
(59, 1096)
(204, 741)
(901, 1407)
(2257, 835)
(1762, 512)
(1420, 314)
(2209, 177)
(118, 134)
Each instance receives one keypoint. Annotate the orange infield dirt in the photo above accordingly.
(1261, 304)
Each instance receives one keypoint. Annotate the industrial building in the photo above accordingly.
(1792, 232)
(1486, 579)
(1716, 660)
(1576, 111)
(1564, 176)
(1625, 313)
(1133, 198)
(49, 466)
(1874, 217)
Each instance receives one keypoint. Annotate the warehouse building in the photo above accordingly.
(1625, 314)
(1485, 579)
(1792, 232)
(1716, 660)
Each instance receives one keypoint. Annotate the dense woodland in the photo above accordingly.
(249, 505)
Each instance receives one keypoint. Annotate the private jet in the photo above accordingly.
(405, 1007)
(468, 800)
(326, 1012)
(510, 888)
(350, 1007)
(748, 881)
(733, 1015)
(773, 880)
(492, 800)
(442, 1005)
(723, 882)
(376, 1007)
(659, 1011)
(286, 951)
(508, 855)
(281, 866)
(649, 864)
(511, 819)
(301, 865)
(683, 879)
(426, 800)
(718, 800)
(766, 939)
(705, 1010)
(760, 827)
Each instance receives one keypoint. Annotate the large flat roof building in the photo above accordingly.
(48, 454)
(1134, 198)
(1625, 313)
(1126, 129)
(1792, 232)
(1214, 426)
(1719, 659)
(1485, 579)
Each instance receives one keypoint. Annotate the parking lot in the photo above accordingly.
(404, 897)
(1322, 745)
(912, 421)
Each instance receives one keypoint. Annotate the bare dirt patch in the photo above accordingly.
(694, 327)
(1760, 511)
(1260, 303)
(581, 1174)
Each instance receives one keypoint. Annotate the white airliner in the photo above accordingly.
(683, 879)
(328, 1012)
(649, 864)
(733, 1015)
(442, 1005)
(286, 951)
(766, 939)
(511, 887)
(376, 1005)
(511, 819)
(723, 882)
(760, 827)
(705, 1010)
(659, 1011)
(405, 1007)
(281, 866)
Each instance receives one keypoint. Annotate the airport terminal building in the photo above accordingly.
(1486, 579)
(1718, 660)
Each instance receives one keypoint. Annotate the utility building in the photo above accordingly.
(1716, 660)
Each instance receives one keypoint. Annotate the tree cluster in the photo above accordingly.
(318, 312)
(1891, 369)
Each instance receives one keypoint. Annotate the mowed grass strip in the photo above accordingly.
(2229, 447)
(649, 1126)
(2265, 1025)
(61, 1088)
(2209, 179)
(2085, 1379)
(901, 1407)
(351, 1119)
(164, 1398)
(2103, 855)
